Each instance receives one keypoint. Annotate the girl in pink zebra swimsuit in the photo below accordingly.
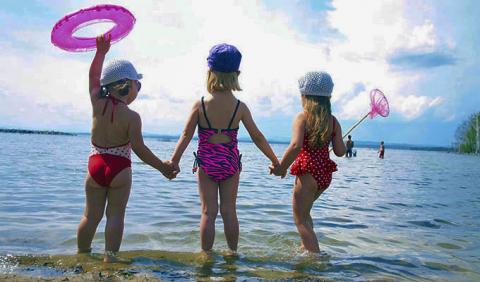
(217, 160)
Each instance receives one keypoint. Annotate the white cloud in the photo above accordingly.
(413, 106)
(170, 42)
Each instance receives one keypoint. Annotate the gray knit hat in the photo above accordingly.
(117, 70)
(316, 84)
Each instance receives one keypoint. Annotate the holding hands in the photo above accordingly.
(170, 169)
(277, 169)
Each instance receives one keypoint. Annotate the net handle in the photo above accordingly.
(351, 129)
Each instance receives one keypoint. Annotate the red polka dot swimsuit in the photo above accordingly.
(315, 161)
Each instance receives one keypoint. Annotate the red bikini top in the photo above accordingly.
(115, 102)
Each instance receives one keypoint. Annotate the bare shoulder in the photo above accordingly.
(242, 105)
(242, 109)
(196, 105)
(133, 116)
(300, 117)
(336, 124)
(335, 120)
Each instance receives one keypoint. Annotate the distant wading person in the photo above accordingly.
(381, 150)
(349, 146)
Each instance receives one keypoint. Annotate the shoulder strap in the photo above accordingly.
(234, 114)
(205, 114)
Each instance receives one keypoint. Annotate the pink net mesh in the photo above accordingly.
(378, 104)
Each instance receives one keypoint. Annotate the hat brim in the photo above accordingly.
(322, 94)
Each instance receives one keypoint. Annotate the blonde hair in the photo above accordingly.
(222, 81)
(318, 112)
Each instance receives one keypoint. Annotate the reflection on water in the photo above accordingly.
(412, 216)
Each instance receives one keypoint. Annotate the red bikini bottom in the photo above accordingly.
(104, 167)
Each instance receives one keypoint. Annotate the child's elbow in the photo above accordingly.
(138, 147)
(186, 135)
(258, 138)
(339, 152)
(296, 147)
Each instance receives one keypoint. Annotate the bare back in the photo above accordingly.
(108, 132)
(220, 107)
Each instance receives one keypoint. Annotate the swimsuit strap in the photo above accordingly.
(115, 102)
(205, 114)
(234, 113)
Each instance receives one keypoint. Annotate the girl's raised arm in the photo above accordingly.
(257, 135)
(186, 136)
(103, 45)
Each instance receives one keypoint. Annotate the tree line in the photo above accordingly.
(467, 135)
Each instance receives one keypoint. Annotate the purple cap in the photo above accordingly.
(224, 58)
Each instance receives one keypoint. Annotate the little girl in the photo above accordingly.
(218, 116)
(313, 129)
(115, 130)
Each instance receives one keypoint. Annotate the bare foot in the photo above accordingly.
(206, 256)
(110, 257)
(231, 253)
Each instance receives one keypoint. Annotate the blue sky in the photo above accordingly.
(424, 56)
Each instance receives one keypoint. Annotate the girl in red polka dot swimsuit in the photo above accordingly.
(313, 130)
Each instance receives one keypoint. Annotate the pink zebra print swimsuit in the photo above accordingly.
(218, 161)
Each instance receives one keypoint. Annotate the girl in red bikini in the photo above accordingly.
(313, 130)
(115, 131)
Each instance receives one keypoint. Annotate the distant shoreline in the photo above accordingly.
(28, 131)
(172, 138)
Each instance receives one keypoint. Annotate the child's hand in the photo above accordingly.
(277, 170)
(175, 166)
(103, 43)
(168, 171)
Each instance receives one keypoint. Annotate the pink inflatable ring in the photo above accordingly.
(62, 32)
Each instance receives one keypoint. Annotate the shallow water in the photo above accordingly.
(412, 216)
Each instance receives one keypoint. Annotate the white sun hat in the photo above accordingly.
(316, 83)
(118, 70)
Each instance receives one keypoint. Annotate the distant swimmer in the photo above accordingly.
(349, 144)
(381, 150)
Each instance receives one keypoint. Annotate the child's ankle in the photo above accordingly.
(110, 256)
(84, 251)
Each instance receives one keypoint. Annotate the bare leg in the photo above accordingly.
(117, 195)
(208, 190)
(304, 194)
(228, 210)
(94, 207)
(317, 194)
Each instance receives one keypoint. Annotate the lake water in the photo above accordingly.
(413, 216)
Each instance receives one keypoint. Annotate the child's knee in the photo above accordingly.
(301, 219)
(210, 212)
(94, 218)
(227, 210)
(115, 212)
